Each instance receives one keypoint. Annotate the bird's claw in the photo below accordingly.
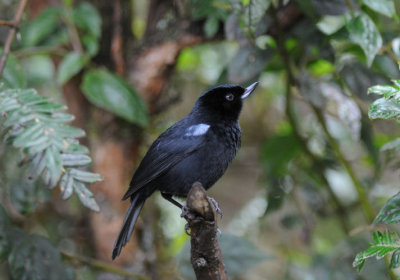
(217, 209)
(187, 228)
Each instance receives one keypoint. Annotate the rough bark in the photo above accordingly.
(206, 256)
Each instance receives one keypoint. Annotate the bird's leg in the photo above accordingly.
(168, 197)
(217, 209)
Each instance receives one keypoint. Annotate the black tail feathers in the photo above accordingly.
(128, 225)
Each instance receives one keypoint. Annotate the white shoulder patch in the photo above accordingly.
(197, 129)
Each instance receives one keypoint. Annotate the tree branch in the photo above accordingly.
(201, 216)
(102, 266)
(11, 34)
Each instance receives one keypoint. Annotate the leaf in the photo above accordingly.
(384, 109)
(47, 107)
(384, 7)
(41, 27)
(71, 65)
(329, 7)
(211, 27)
(384, 243)
(386, 90)
(249, 62)
(85, 196)
(75, 159)
(364, 33)
(85, 176)
(76, 148)
(277, 152)
(251, 15)
(88, 18)
(390, 212)
(28, 135)
(34, 257)
(66, 185)
(13, 75)
(53, 165)
(395, 260)
(112, 93)
(239, 255)
(67, 131)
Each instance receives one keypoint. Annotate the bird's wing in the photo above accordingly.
(169, 149)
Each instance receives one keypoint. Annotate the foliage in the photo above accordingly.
(384, 243)
(37, 128)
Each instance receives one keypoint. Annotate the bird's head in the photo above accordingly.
(224, 100)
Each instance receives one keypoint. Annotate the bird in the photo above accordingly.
(198, 148)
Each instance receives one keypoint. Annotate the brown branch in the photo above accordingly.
(117, 40)
(11, 34)
(102, 266)
(206, 256)
(7, 23)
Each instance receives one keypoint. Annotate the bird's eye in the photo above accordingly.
(229, 97)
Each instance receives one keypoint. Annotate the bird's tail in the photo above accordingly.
(128, 225)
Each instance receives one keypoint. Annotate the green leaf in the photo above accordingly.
(390, 212)
(85, 176)
(384, 7)
(13, 74)
(54, 166)
(384, 109)
(76, 148)
(386, 90)
(67, 131)
(211, 27)
(85, 196)
(71, 65)
(66, 185)
(384, 243)
(88, 18)
(112, 93)
(41, 27)
(91, 44)
(47, 107)
(75, 159)
(395, 260)
(29, 135)
(364, 33)
(277, 152)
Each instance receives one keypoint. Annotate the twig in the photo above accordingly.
(117, 40)
(11, 34)
(7, 23)
(40, 50)
(103, 266)
(365, 204)
(206, 256)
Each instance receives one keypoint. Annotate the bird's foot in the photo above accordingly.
(217, 209)
(187, 228)
(185, 211)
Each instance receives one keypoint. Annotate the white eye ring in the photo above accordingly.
(229, 97)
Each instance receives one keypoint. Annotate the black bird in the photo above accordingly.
(197, 148)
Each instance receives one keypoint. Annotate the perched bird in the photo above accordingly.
(197, 148)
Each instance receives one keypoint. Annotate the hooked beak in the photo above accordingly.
(249, 90)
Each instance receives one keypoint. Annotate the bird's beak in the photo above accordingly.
(249, 90)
